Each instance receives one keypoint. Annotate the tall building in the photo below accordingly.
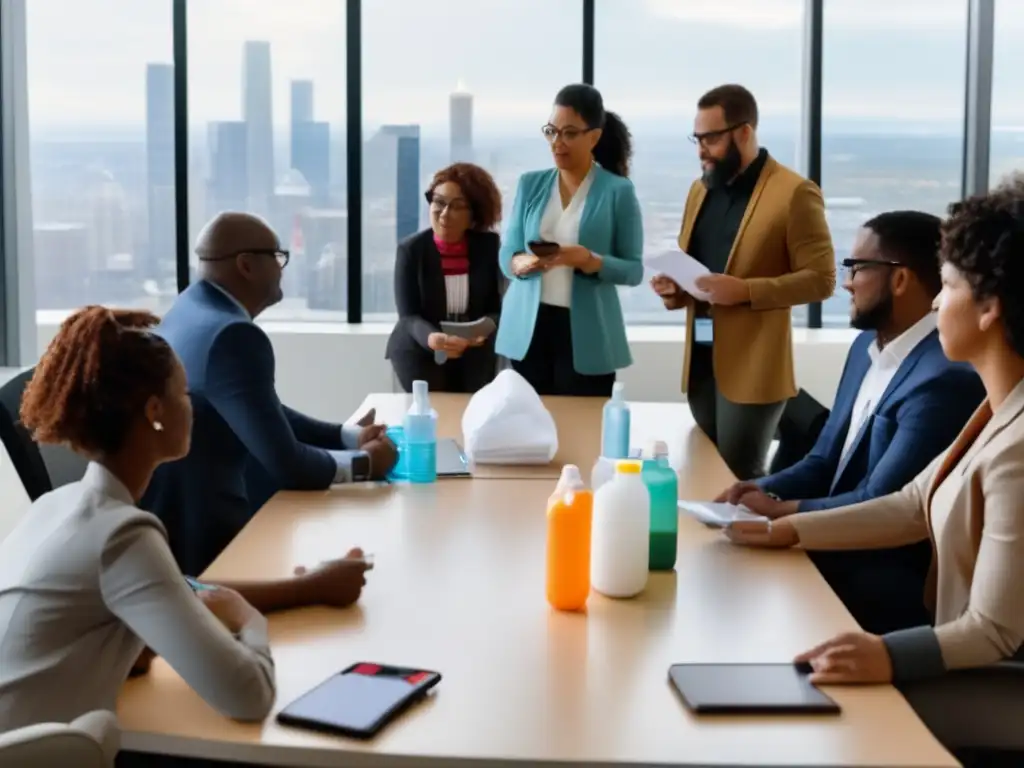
(460, 114)
(228, 184)
(302, 101)
(158, 257)
(258, 117)
(310, 142)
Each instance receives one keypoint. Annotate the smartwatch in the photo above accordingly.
(360, 467)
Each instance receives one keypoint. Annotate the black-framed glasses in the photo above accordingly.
(568, 134)
(853, 266)
(709, 138)
(439, 203)
(280, 255)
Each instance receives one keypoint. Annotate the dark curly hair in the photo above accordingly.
(983, 238)
(479, 188)
(615, 147)
(95, 378)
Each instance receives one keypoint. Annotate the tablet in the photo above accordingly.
(749, 689)
(360, 700)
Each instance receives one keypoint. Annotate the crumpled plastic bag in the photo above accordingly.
(506, 422)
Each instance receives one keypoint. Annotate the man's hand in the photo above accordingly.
(852, 657)
(671, 294)
(370, 431)
(760, 503)
(383, 454)
(724, 289)
(734, 492)
(337, 583)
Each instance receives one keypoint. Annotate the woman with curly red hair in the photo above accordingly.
(449, 273)
(87, 579)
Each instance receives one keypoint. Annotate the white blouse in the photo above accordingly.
(457, 290)
(562, 226)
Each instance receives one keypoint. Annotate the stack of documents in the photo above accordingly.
(718, 514)
(474, 329)
(682, 268)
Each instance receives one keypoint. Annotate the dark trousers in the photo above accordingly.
(883, 589)
(742, 433)
(475, 369)
(548, 362)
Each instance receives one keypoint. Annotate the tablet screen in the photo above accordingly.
(748, 688)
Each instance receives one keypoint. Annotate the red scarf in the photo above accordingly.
(454, 256)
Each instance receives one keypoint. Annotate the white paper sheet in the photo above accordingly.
(474, 329)
(718, 514)
(682, 268)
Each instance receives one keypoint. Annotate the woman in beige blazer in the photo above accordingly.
(969, 502)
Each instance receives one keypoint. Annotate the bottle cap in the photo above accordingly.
(659, 448)
(618, 390)
(628, 467)
(571, 479)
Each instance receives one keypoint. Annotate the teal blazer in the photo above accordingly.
(611, 227)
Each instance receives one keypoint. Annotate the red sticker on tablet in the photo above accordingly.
(418, 677)
(366, 669)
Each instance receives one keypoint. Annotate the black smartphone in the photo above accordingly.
(360, 700)
(545, 249)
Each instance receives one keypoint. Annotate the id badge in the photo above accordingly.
(703, 330)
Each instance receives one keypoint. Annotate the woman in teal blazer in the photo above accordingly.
(561, 321)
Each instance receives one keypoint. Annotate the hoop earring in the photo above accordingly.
(158, 426)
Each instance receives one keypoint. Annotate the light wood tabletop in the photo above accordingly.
(458, 587)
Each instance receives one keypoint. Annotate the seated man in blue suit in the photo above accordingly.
(203, 499)
(900, 403)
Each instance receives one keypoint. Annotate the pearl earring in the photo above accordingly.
(158, 426)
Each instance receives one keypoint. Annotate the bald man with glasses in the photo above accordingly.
(239, 423)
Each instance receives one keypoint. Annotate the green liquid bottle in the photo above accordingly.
(663, 486)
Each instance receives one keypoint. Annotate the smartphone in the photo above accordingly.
(543, 248)
(360, 700)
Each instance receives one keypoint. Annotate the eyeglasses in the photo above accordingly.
(438, 204)
(853, 266)
(568, 134)
(281, 256)
(710, 138)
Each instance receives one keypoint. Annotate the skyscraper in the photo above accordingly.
(258, 117)
(310, 142)
(228, 184)
(460, 114)
(302, 101)
(158, 258)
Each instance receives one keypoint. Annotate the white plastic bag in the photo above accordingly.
(506, 423)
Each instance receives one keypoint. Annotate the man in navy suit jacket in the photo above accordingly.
(204, 499)
(900, 403)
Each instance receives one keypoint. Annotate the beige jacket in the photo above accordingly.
(970, 503)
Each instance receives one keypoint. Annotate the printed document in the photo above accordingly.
(682, 268)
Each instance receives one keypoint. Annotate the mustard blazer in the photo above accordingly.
(783, 250)
(968, 502)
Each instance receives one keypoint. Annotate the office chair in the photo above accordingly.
(90, 741)
(41, 468)
(801, 423)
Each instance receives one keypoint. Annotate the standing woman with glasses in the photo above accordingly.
(449, 272)
(574, 236)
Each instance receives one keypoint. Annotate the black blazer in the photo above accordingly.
(420, 295)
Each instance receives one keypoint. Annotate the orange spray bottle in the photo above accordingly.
(570, 509)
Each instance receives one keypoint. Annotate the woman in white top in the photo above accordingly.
(574, 236)
(87, 578)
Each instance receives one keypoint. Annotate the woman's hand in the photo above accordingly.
(453, 346)
(578, 257)
(524, 264)
(852, 657)
(777, 534)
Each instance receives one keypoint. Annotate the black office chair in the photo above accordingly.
(801, 423)
(41, 468)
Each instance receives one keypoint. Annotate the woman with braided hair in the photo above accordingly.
(87, 579)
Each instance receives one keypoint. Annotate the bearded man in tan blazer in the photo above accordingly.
(760, 229)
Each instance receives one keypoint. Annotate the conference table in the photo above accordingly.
(458, 587)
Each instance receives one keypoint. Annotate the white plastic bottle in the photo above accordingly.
(603, 471)
(620, 534)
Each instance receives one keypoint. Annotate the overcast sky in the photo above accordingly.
(894, 60)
